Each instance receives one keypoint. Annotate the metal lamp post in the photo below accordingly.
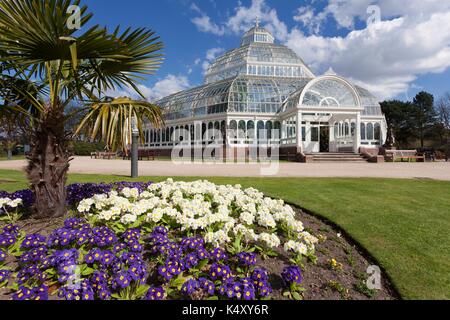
(134, 150)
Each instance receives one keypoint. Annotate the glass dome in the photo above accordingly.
(258, 55)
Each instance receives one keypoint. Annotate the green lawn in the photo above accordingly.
(404, 224)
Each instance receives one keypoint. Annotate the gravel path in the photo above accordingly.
(437, 171)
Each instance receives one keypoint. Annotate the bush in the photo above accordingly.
(86, 148)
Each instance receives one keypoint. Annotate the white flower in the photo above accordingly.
(247, 217)
(225, 211)
(297, 247)
(128, 219)
(270, 240)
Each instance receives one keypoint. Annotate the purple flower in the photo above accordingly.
(103, 237)
(134, 246)
(74, 223)
(41, 293)
(4, 275)
(33, 241)
(123, 279)
(7, 240)
(138, 272)
(190, 261)
(2, 255)
(220, 272)
(202, 254)
(207, 285)
(218, 255)
(155, 293)
(192, 243)
(107, 258)
(247, 259)
(23, 293)
(292, 274)
(104, 294)
(161, 231)
(189, 287)
(265, 290)
(249, 293)
(119, 247)
(11, 230)
(260, 274)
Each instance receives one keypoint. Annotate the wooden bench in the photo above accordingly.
(142, 154)
(402, 155)
(104, 155)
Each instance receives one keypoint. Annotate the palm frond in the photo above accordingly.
(112, 120)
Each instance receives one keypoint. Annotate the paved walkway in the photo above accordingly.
(438, 171)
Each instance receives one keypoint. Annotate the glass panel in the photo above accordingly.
(363, 131)
(330, 93)
(377, 131)
(370, 131)
(314, 134)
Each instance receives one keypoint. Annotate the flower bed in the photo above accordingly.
(170, 240)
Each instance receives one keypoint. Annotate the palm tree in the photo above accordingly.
(38, 46)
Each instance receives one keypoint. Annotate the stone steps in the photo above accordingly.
(338, 157)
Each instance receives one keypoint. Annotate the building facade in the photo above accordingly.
(263, 94)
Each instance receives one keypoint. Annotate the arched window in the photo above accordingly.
(204, 129)
(347, 129)
(172, 137)
(260, 130)
(353, 129)
(168, 138)
(251, 130)
(363, 131)
(269, 128)
(233, 130)
(377, 130)
(370, 131)
(277, 131)
(163, 134)
(242, 130)
(330, 93)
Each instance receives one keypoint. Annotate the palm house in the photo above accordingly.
(263, 94)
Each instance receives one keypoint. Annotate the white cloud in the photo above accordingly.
(211, 55)
(386, 57)
(164, 87)
(242, 20)
(412, 39)
(204, 24)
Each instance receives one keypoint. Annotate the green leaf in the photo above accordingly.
(296, 296)
(213, 298)
(142, 290)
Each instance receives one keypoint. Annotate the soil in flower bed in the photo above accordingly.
(347, 281)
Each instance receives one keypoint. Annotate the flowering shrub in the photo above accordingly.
(171, 240)
(82, 262)
(222, 215)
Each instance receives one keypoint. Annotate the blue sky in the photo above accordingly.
(408, 50)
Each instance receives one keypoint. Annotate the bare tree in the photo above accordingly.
(443, 110)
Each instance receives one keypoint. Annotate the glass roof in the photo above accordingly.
(245, 94)
(370, 102)
(262, 77)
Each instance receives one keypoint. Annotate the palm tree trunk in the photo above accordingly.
(48, 165)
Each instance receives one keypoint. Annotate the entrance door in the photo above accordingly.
(312, 144)
(325, 139)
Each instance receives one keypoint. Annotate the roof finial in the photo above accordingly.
(257, 21)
